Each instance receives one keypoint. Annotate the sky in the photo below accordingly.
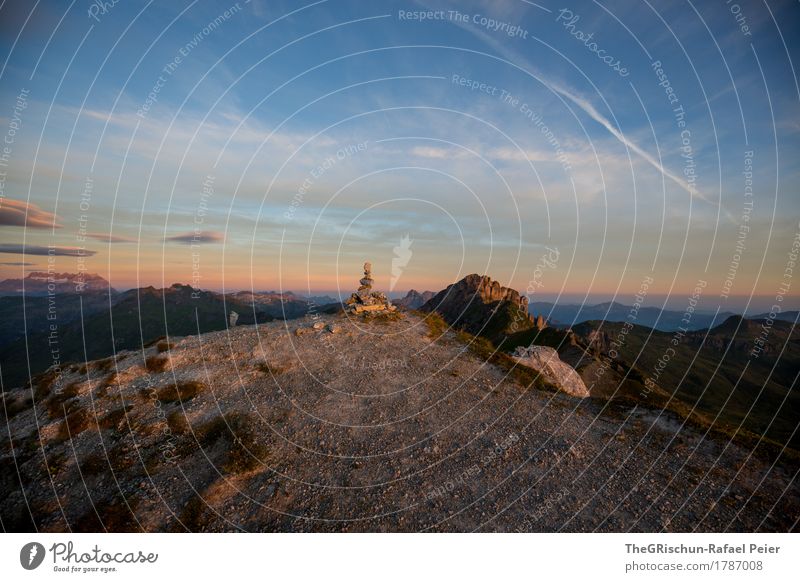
(583, 152)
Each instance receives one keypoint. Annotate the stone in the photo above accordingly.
(318, 325)
(545, 360)
(233, 317)
(367, 300)
(333, 328)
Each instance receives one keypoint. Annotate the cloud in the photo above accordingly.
(437, 153)
(111, 238)
(515, 58)
(19, 213)
(18, 264)
(15, 249)
(199, 237)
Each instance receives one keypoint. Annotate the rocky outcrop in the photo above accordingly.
(545, 360)
(482, 306)
(414, 299)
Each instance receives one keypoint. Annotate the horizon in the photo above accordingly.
(736, 304)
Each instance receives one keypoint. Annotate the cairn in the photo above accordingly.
(365, 299)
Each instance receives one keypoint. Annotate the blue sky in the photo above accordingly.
(372, 110)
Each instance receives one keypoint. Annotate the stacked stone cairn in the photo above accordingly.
(365, 299)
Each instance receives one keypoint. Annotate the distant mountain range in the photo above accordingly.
(42, 283)
(72, 323)
(565, 316)
(414, 299)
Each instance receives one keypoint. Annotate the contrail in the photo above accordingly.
(514, 57)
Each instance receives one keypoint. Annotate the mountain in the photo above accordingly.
(279, 305)
(715, 373)
(136, 317)
(384, 425)
(481, 306)
(791, 316)
(44, 283)
(414, 299)
(661, 319)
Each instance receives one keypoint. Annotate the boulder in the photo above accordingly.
(545, 360)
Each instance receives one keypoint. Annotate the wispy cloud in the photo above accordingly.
(111, 238)
(584, 104)
(15, 249)
(199, 237)
(19, 213)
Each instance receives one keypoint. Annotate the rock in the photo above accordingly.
(334, 328)
(364, 299)
(318, 325)
(233, 317)
(482, 306)
(414, 299)
(546, 361)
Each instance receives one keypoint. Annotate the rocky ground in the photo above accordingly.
(377, 427)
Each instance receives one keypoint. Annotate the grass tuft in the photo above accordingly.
(156, 364)
(436, 325)
(181, 391)
(164, 346)
(245, 451)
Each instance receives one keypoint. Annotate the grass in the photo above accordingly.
(485, 350)
(436, 325)
(56, 463)
(177, 422)
(115, 417)
(44, 384)
(156, 364)
(105, 384)
(244, 449)
(75, 423)
(164, 346)
(180, 391)
(101, 461)
(60, 402)
(13, 406)
(193, 515)
(272, 369)
(114, 515)
(383, 317)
